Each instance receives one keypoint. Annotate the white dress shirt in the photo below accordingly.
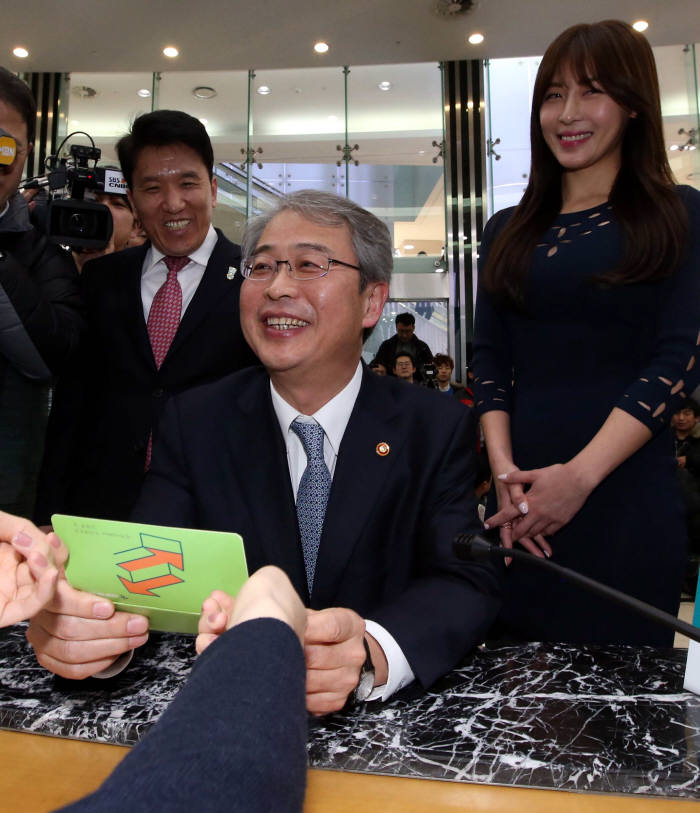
(334, 417)
(154, 272)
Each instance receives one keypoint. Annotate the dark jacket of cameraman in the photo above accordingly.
(40, 326)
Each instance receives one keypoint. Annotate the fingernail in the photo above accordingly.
(546, 553)
(502, 477)
(40, 560)
(102, 609)
(22, 539)
(139, 640)
(486, 525)
(523, 508)
(137, 625)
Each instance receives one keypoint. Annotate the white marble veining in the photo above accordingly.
(611, 719)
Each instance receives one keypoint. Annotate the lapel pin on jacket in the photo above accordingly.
(383, 449)
(231, 273)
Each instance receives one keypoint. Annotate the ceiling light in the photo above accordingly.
(321, 47)
(475, 38)
(204, 121)
(408, 247)
(384, 86)
(203, 92)
(673, 147)
(421, 152)
(171, 51)
(263, 90)
(144, 93)
(22, 53)
(640, 25)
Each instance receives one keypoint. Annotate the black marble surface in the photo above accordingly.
(605, 719)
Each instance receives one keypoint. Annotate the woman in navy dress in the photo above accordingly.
(587, 331)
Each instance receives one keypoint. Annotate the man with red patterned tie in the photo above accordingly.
(163, 317)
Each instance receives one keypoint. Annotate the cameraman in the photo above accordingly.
(40, 311)
(126, 231)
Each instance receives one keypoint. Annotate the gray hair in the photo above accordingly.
(371, 240)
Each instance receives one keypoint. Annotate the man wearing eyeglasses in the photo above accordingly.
(354, 485)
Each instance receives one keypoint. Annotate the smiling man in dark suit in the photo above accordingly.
(354, 485)
(162, 317)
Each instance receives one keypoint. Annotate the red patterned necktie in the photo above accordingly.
(164, 316)
(164, 320)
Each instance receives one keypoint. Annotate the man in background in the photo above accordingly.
(161, 317)
(40, 309)
(404, 368)
(404, 341)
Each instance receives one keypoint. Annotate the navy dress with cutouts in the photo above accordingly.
(559, 369)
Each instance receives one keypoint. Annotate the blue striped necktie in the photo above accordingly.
(312, 496)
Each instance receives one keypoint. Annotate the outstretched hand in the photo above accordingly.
(29, 568)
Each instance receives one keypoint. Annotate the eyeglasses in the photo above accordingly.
(305, 266)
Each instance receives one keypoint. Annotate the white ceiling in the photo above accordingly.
(236, 34)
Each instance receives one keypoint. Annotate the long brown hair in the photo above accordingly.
(646, 204)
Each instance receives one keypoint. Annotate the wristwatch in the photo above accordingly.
(366, 683)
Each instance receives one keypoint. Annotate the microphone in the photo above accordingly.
(474, 547)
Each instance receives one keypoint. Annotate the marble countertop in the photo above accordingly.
(595, 719)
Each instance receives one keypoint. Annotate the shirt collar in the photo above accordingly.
(200, 255)
(333, 416)
(4, 211)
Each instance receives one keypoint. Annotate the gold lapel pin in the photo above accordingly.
(383, 449)
(231, 273)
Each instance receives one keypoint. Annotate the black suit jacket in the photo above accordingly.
(105, 409)
(386, 550)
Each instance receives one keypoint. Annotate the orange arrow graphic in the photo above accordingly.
(144, 587)
(157, 557)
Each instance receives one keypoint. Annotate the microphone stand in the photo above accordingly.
(475, 547)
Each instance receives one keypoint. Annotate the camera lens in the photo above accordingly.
(81, 224)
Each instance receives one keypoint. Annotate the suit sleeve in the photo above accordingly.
(234, 738)
(447, 610)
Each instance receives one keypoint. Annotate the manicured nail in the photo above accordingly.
(22, 539)
(40, 560)
(523, 508)
(502, 477)
(102, 609)
(546, 553)
(486, 525)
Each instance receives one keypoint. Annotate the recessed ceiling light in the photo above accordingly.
(408, 247)
(204, 121)
(203, 92)
(171, 51)
(144, 93)
(640, 25)
(476, 38)
(421, 152)
(22, 53)
(321, 47)
(263, 90)
(384, 86)
(673, 147)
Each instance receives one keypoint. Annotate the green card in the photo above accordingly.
(163, 573)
